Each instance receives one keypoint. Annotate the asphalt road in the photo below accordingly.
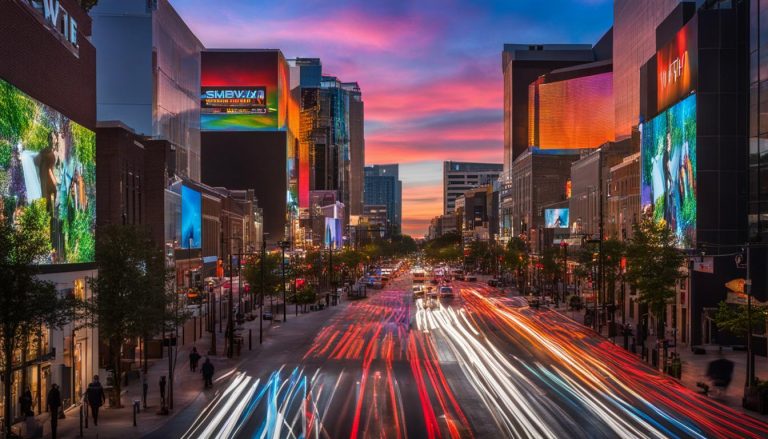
(478, 365)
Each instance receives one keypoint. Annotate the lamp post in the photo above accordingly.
(261, 296)
(283, 246)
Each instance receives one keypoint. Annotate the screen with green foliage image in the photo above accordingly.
(669, 169)
(48, 175)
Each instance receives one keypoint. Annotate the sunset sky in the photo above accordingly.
(430, 70)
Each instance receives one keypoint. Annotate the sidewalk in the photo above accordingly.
(188, 385)
(694, 367)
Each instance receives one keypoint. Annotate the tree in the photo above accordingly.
(613, 252)
(273, 275)
(27, 304)
(551, 265)
(446, 248)
(733, 318)
(133, 296)
(653, 265)
(516, 259)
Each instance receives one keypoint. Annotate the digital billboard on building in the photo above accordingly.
(677, 66)
(668, 170)
(191, 218)
(573, 113)
(243, 91)
(333, 233)
(556, 218)
(48, 175)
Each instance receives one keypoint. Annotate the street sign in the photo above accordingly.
(704, 265)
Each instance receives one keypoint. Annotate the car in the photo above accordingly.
(267, 315)
(446, 291)
(471, 278)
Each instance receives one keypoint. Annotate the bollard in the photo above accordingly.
(135, 410)
(81, 420)
(249, 338)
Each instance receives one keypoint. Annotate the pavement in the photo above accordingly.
(188, 385)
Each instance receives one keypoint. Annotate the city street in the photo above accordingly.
(477, 366)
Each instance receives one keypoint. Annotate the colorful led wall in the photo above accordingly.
(191, 218)
(48, 175)
(243, 91)
(668, 172)
(333, 233)
(677, 66)
(575, 113)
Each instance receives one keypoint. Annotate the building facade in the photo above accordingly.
(149, 75)
(383, 186)
(458, 177)
(48, 166)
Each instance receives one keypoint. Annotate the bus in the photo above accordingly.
(418, 275)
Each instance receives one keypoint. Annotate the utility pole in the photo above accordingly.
(261, 296)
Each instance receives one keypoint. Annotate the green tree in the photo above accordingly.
(733, 318)
(653, 266)
(273, 275)
(27, 304)
(446, 248)
(517, 259)
(613, 252)
(134, 296)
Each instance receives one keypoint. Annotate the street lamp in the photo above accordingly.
(284, 245)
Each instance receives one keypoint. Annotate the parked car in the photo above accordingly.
(267, 315)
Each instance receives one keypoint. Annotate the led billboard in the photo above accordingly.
(241, 91)
(556, 218)
(668, 172)
(48, 175)
(573, 113)
(191, 218)
(676, 67)
(333, 233)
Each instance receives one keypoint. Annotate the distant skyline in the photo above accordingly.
(430, 71)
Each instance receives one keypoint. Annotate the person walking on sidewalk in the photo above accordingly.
(53, 403)
(96, 398)
(207, 370)
(162, 390)
(25, 401)
(194, 357)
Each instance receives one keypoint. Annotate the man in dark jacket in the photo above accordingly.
(207, 370)
(53, 403)
(25, 401)
(194, 357)
(96, 398)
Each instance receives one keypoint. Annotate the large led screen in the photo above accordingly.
(239, 91)
(556, 218)
(191, 218)
(333, 234)
(574, 113)
(48, 175)
(676, 66)
(668, 150)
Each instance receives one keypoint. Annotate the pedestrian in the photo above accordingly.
(96, 398)
(194, 357)
(25, 401)
(207, 370)
(162, 389)
(144, 388)
(53, 403)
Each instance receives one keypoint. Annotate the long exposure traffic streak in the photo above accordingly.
(391, 367)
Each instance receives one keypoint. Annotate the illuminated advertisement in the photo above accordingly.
(574, 113)
(676, 67)
(191, 218)
(556, 218)
(48, 175)
(668, 174)
(241, 91)
(333, 234)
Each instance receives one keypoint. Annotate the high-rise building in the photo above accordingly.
(248, 141)
(524, 63)
(758, 119)
(458, 177)
(148, 75)
(383, 187)
(356, 147)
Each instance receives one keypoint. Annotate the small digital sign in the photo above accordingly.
(191, 218)
(333, 234)
(556, 218)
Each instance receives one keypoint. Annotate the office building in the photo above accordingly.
(622, 207)
(148, 75)
(383, 186)
(758, 120)
(458, 177)
(48, 166)
(480, 209)
(356, 147)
